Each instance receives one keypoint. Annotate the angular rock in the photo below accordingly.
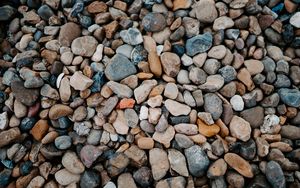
(84, 46)
(197, 160)
(198, 44)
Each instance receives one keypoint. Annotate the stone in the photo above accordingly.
(9, 136)
(239, 128)
(141, 93)
(159, 162)
(223, 22)
(237, 103)
(183, 141)
(197, 75)
(213, 105)
(131, 36)
(7, 13)
(174, 182)
(90, 179)
(290, 97)
(26, 96)
(131, 118)
(164, 137)
(48, 91)
(211, 66)
(205, 11)
(206, 117)
(145, 143)
(217, 52)
(37, 181)
(181, 4)
(290, 132)
(4, 121)
(154, 63)
(63, 142)
(217, 169)
(239, 164)
(213, 83)
(186, 128)
(84, 46)
(40, 129)
(171, 91)
(45, 12)
(64, 177)
(178, 162)
(207, 130)
(254, 66)
(97, 7)
(119, 68)
(59, 110)
(137, 156)
(198, 44)
(197, 160)
(294, 20)
(143, 176)
(154, 22)
(88, 155)
(125, 180)
(170, 63)
(269, 122)
(262, 147)
(255, 116)
(68, 32)
(228, 73)
(176, 108)
(275, 174)
(72, 163)
(245, 77)
(120, 123)
(117, 164)
(122, 91)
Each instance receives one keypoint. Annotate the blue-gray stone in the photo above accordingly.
(6, 13)
(90, 179)
(213, 105)
(275, 175)
(34, 3)
(99, 81)
(85, 21)
(25, 168)
(119, 67)
(27, 123)
(77, 8)
(288, 33)
(138, 54)
(228, 73)
(4, 177)
(290, 97)
(282, 81)
(63, 142)
(45, 12)
(64, 122)
(199, 44)
(197, 160)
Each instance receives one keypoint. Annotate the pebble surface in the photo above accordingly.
(149, 93)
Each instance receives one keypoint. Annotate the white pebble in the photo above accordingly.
(237, 103)
(144, 113)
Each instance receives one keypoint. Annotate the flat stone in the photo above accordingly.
(120, 123)
(239, 128)
(119, 68)
(239, 164)
(217, 169)
(223, 22)
(294, 20)
(121, 90)
(255, 116)
(9, 136)
(164, 137)
(40, 129)
(213, 105)
(290, 132)
(237, 103)
(125, 180)
(84, 46)
(171, 91)
(213, 83)
(186, 128)
(4, 120)
(178, 162)
(198, 44)
(176, 108)
(159, 162)
(80, 82)
(59, 110)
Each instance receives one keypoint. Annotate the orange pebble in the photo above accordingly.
(126, 103)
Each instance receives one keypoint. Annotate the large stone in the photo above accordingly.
(68, 33)
(239, 164)
(24, 95)
(159, 162)
(84, 46)
(255, 116)
(275, 175)
(176, 108)
(290, 97)
(198, 44)
(154, 22)
(205, 11)
(197, 159)
(119, 67)
(240, 129)
(178, 162)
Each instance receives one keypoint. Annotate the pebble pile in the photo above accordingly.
(150, 93)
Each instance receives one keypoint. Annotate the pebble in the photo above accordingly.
(88, 155)
(223, 22)
(159, 162)
(178, 162)
(164, 137)
(68, 32)
(64, 177)
(237, 103)
(141, 93)
(45, 12)
(72, 163)
(59, 110)
(80, 82)
(217, 52)
(90, 179)
(213, 83)
(205, 11)
(255, 121)
(254, 66)
(176, 108)
(7, 13)
(239, 128)
(125, 180)
(119, 68)
(275, 174)
(3, 120)
(294, 20)
(290, 97)
(217, 169)
(131, 36)
(213, 105)
(290, 132)
(154, 22)
(143, 176)
(63, 142)
(26, 96)
(40, 129)
(198, 44)
(84, 46)
(170, 63)
(197, 160)
(239, 164)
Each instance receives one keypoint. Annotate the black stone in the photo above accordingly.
(27, 123)
(259, 181)
(179, 119)
(34, 3)
(99, 81)
(248, 149)
(275, 175)
(178, 49)
(288, 33)
(24, 62)
(4, 177)
(7, 13)
(296, 42)
(138, 54)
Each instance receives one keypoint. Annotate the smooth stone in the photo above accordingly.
(119, 68)
(239, 128)
(294, 20)
(290, 132)
(80, 82)
(290, 97)
(164, 137)
(59, 110)
(255, 116)
(3, 120)
(143, 176)
(275, 175)
(45, 12)
(90, 179)
(176, 108)
(198, 44)
(64, 177)
(121, 90)
(84, 46)
(141, 93)
(178, 162)
(197, 160)
(217, 169)
(239, 164)
(68, 32)
(154, 22)
(131, 36)
(63, 142)
(223, 22)
(24, 95)
(205, 11)
(237, 103)
(158, 159)
(72, 163)
(6, 13)
(88, 154)
(126, 180)
(170, 63)
(213, 105)
(213, 83)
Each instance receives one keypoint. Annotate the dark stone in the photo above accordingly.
(57, 68)
(296, 42)
(213, 105)
(64, 122)
(27, 123)
(274, 37)
(198, 44)
(259, 181)
(228, 73)
(179, 119)
(248, 149)
(99, 81)
(288, 33)
(218, 182)
(24, 95)
(45, 12)
(197, 160)
(37, 35)
(67, 3)
(275, 175)
(8, 164)
(90, 179)
(143, 176)
(3, 97)
(4, 177)
(282, 81)
(255, 116)
(178, 49)
(7, 13)
(290, 97)
(138, 54)
(154, 22)
(52, 80)
(25, 168)
(35, 4)
(290, 132)
(85, 21)
(77, 8)
(25, 62)
(278, 8)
